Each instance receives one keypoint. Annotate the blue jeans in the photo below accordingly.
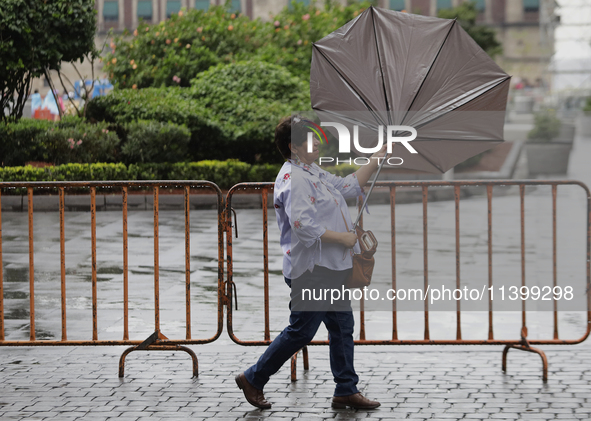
(303, 325)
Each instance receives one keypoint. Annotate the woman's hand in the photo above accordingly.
(348, 239)
(366, 171)
(379, 154)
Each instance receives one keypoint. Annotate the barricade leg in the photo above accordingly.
(528, 349)
(525, 346)
(294, 357)
(159, 348)
(151, 344)
(294, 368)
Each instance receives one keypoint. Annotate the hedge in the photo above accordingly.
(153, 141)
(74, 140)
(223, 173)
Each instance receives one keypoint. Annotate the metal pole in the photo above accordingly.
(370, 190)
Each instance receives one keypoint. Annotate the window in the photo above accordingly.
(235, 6)
(397, 5)
(202, 4)
(111, 10)
(531, 5)
(444, 4)
(172, 7)
(144, 9)
(304, 2)
(480, 5)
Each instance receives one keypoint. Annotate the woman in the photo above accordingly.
(317, 248)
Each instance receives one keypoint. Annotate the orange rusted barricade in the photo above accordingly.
(426, 188)
(226, 287)
(155, 342)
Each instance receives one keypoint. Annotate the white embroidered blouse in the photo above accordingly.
(308, 201)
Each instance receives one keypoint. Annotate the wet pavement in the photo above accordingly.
(416, 383)
(412, 382)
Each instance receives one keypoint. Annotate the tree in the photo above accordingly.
(175, 51)
(299, 25)
(484, 36)
(36, 37)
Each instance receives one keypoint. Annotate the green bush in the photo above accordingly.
(263, 172)
(160, 104)
(87, 172)
(230, 110)
(251, 78)
(152, 141)
(19, 142)
(173, 52)
(224, 173)
(173, 105)
(71, 140)
(81, 143)
(587, 107)
(546, 126)
(246, 100)
(295, 28)
(24, 173)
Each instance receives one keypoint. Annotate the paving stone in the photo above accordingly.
(50, 385)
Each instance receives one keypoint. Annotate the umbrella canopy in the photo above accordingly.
(393, 68)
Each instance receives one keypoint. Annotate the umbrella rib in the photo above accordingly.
(465, 103)
(500, 141)
(346, 118)
(406, 60)
(375, 35)
(348, 84)
(429, 70)
(432, 163)
(442, 87)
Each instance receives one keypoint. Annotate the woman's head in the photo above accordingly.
(291, 135)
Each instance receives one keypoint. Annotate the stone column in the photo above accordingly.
(99, 7)
(488, 15)
(514, 11)
(121, 22)
(433, 8)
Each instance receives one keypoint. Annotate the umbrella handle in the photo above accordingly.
(369, 192)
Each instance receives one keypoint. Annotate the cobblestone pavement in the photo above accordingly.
(411, 383)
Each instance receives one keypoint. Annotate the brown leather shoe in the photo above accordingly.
(253, 395)
(356, 401)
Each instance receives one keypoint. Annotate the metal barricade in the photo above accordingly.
(226, 285)
(155, 342)
(522, 344)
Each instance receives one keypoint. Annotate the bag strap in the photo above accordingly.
(342, 214)
(344, 220)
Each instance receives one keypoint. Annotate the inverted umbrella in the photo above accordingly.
(392, 68)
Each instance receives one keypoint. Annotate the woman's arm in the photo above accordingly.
(366, 171)
(347, 239)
